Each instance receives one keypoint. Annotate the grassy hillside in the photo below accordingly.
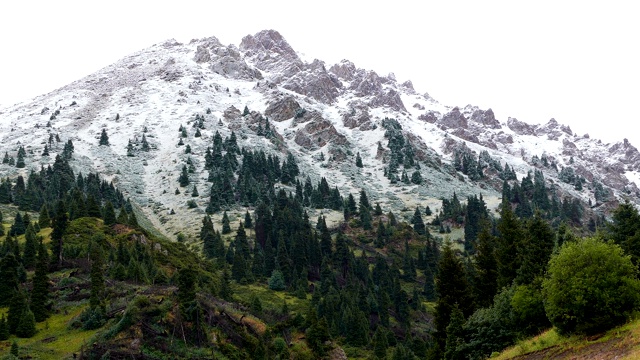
(621, 343)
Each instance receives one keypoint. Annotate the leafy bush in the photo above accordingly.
(591, 286)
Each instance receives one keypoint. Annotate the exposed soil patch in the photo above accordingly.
(615, 348)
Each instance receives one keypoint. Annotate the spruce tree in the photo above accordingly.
(17, 305)
(40, 292)
(4, 329)
(452, 288)
(184, 177)
(30, 248)
(60, 223)
(226, 227)
(97, 274)
(109, 215)
(358, 160)
(104, 138)
(418, 223)
(43, 219)
(486, 282)
(510, 234)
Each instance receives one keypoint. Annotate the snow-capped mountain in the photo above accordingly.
(323, 114)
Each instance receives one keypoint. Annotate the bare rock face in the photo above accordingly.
(390, 98)
(283, 108)
(358, 117)
(231, 113)
(485, 118)
(519, 127)
(317, 134)
(270, 51)
(202, 54)
(430, 116)
(454, 119)
(345, 70)
(569, 148)
(314, 81)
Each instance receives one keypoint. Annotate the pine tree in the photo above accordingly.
(358, 160)
(60, 223)
(17, 306)
(144, 144)
(184, 177)
(104, 138)
(4, 329)
(455, 333)
(248, 222)
(226, 227)
(510, 234)
(40, 292)
(418, 223)
(452, 288)
(97, 273)
(486, 281)
(109, 214)
(30, 248)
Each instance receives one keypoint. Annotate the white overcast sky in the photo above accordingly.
(575, 61)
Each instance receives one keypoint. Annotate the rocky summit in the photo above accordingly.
(163, 107)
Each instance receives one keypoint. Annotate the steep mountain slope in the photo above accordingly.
(323, 115)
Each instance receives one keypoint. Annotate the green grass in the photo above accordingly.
(270, 299)
(54, 340)
(620, 338)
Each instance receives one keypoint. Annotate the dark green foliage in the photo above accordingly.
(455, 332)
(379, 343)
(20, 159)
(226, 227)
(485, 284)
(625, 230)
(97, 296)
(30, 247)
(535, 250)
(109, 215)
(276, 281)
(104, 138)
(418, 223)
(510, 236)
(40, 292)
(60, 223)
(43, 219)
(358, 160)
(27, 326)
(590, 286)
(4, 329)
(17, 305)
(183, 179)
(452, 288)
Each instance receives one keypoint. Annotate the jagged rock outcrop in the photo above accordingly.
(319, 133)
(357, 116)
(283, 108)
(519, 127)
(454, 119)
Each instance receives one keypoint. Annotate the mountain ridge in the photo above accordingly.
(316, 112)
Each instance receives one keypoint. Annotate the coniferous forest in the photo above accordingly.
(79, 274)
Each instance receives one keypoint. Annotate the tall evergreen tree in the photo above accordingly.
(510, 234)
(43, 219)
(453, 289)
(418, 223)
(30, 248)
(60, 223)
(97, 297)
(486, 281)
(104, 138)
(40, 292)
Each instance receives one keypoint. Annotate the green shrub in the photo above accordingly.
(591, 286)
